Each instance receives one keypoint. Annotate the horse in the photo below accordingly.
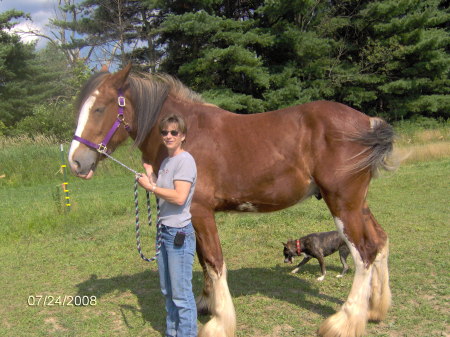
(260, 162)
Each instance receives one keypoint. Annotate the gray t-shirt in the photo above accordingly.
(181, 167)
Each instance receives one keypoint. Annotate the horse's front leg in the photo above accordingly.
(215, 298)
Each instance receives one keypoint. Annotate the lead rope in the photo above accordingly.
(149, 215)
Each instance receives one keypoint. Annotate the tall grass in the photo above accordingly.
(418, 143)
(26, 161)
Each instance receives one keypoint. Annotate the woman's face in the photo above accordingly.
(172, 137)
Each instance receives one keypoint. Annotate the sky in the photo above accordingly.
(40, 11)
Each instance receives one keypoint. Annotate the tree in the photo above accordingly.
(249, 57)
(217, 56)
(111, 30)
(57, 78)
(409, 46)
(388, 57)
(301, 58)
(30, 79)
(398, 51)
(16, 70)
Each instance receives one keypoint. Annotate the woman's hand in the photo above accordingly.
(147, 180)
(149, 170)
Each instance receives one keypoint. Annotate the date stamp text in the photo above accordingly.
(60, 300)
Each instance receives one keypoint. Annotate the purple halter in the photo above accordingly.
(119, 120)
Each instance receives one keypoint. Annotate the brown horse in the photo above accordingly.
(257, 163)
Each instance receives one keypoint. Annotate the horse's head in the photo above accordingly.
(103, 114)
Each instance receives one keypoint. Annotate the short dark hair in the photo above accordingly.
(173, 118)
(176, 119)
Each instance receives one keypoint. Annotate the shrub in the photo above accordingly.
(53, 119)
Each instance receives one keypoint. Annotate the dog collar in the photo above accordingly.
(299, 250)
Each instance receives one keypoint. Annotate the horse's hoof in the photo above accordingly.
(343, 325)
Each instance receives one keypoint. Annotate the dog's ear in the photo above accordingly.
(284, 244)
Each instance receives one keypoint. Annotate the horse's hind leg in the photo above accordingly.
(215, 298)
(370, 289)
(380, 298)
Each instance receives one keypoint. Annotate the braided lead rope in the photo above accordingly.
(149, 215)
(149, 212)
(158, 221)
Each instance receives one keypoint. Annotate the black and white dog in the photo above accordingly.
(317, 245)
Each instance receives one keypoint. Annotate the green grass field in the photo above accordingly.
(89, 256)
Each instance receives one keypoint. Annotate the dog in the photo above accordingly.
(317, 245)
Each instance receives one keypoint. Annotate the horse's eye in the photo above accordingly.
(99, 110)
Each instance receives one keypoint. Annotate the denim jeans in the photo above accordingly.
(175, 274)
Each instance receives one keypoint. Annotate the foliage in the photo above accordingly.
(109, 29)
(32, 81)
(419, 123)
(407, 45)
(52, 119)
(383, 57)
(3, 128)
(58, 79)
(15, 71)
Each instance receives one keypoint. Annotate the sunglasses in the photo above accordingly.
(172, 132)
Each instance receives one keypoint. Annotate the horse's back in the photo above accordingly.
(268, 161)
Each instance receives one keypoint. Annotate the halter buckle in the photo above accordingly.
(121, 101)
(121, 119)
(102, 148)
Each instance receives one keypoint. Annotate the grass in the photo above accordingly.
(419, 144)
(90, 251)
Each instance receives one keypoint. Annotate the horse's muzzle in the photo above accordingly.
(82, 161)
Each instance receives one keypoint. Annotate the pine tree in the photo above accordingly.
(398, 53)
(301, 56)
(249, 59)
(217, 55)
(16, 71)
(412, 50)
(112, 30)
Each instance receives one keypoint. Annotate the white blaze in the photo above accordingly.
(82, 121)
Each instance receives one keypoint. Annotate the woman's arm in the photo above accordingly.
(175, 196)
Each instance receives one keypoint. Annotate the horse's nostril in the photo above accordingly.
(76, 166)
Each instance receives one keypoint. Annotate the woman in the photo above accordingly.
(175, 187)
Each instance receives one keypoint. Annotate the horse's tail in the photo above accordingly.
(379, 143)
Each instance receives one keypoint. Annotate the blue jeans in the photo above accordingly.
(175, 274)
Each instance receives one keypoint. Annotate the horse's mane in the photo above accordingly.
(148, 92)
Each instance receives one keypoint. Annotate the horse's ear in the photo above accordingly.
(118, 79)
